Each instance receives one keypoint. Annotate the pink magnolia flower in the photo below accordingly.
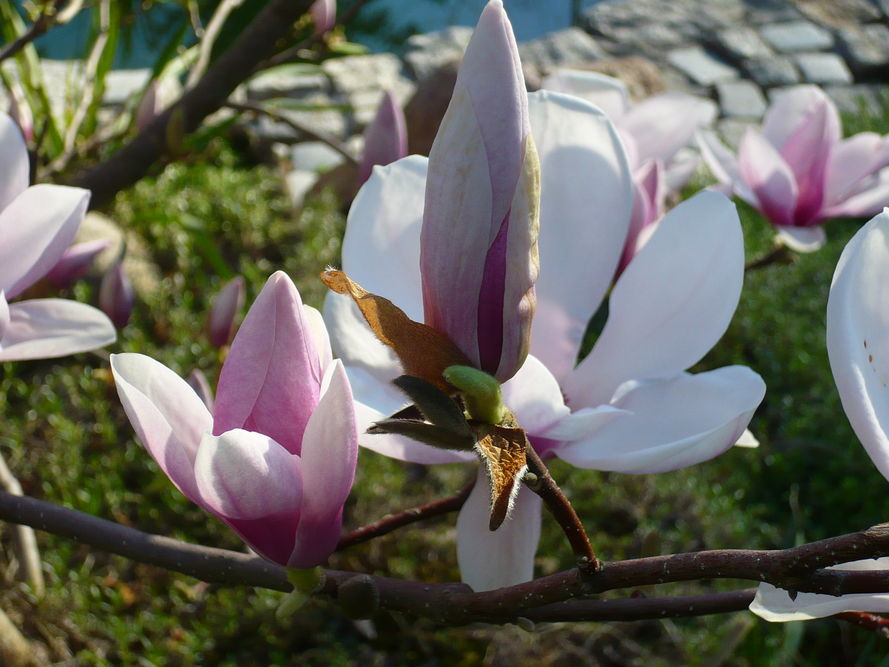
(857, 340)
(116, 295)
(483, 172)
(656, 134)
(799, 171)
(37, 224)
(275, 460)
(629, 406)
(385, 139)
(323, 13)
(226, 307)
(75, 262)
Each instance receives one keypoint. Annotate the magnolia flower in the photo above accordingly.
(799, 171)
(385, 139)
(37, 224)
(323, 13)
(857, 339)
(116, 295)
(656, 134)
(629, 406)
(276, 458)
(225, 309)
(75, 262)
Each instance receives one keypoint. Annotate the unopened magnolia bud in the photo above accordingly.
(480, 391)
(323, 13)
(116, 295)
(385, 139)
(359, 597)
(226, 306)
(75, 262)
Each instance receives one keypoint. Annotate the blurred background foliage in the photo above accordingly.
(217, 214)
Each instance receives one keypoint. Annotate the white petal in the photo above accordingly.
(665, 123)
(681, 168)
(46, 328)
(675, 422)
(381, 247)
(606, 92)
(774, 604)
(747, 439)
(504, 557)
(858, 336)
(533, 394)
(167, 415)
(246, 475)
(802, 239)
(35, 230)
(14, 166)
(585, 206)
(671, 304)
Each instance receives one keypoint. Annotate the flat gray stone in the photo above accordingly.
(371, 72)
(762, 12)
(867, 98)
(120, 84)
(314, 156)
(865, 49)
(318, 112)
(823, 68)
(796, 36)
(769, 72)
(700, 66)
(740, 99)
(424, 54)
(291, 80)
(739, 44)
(299, 182)
(564, 48)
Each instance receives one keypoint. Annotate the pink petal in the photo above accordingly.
(806, 152)
(116, 295)
(323, 13)
(329, 456)
(385, 139)
(472, 255)
(35, 230)
(14, 164)
(790, 109)
(255, 486)
(671, 304)
(769, 178)
(75, 262)
(166, 414)
(47, 328)
(801, 239)
(663, 124)
(858, 336)
(585, 206)
(271, 380)
(315, 324)
(674, 423)
(869, 198)
(505, 557)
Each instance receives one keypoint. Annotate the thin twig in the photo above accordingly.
(318, 135)
(41, 24)
(256, 42)
(392, 522)
(560, 507)
(780, 254)
(872, 622)
(798, 568)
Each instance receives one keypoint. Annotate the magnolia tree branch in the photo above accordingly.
(559, 506)
(259, 40)
(392, 522)
(548, 598)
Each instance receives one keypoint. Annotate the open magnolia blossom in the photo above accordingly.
(858, 349)
(37, 224)
(275, 459)
(629, 406)
(799, 171)
(656, 134)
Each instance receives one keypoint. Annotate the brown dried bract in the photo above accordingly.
(503, 451)
(423, 351)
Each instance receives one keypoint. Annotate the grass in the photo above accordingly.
(68, 440)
